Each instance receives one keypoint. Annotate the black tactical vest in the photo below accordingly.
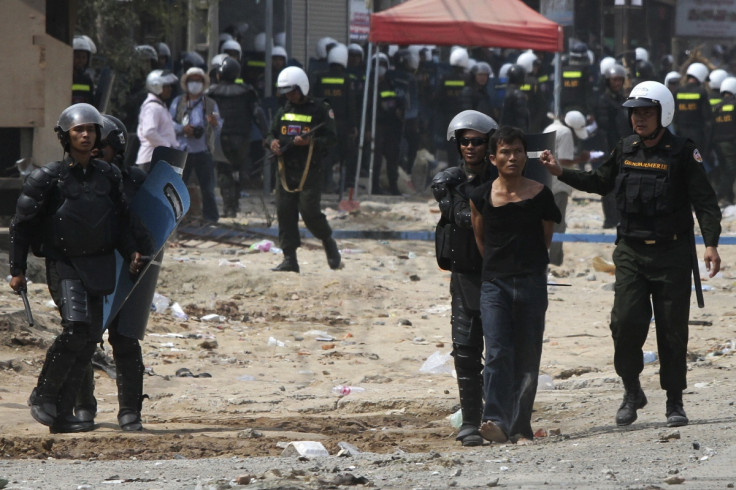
(650, 191)
(724, 122)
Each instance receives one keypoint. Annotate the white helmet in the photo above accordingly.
(259, 42)
(338, 55)
(355, 48)
(217, 60)
(526, 60)
(156, 80)
(672, 77)
(504, 70)
(321, 48)
(471, 120)
(653, 94)
(698, 70)
(717, 77)
(459, 57)
(279, 39)
(232, 45)
(292, 77)
(79, 43)
(576, 121)
(607, 63)
(728, 85)
(471, 63)
(279, 51)
(641, 54)
(92, 45)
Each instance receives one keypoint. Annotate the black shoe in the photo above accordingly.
(333, 254)
(42, 412)
(85, 414)
(70, 424)
(469, 436)
(130, 421)
(633, 400)
(289, 264)
(675, 412)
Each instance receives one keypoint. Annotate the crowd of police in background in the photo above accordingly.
(420, 91)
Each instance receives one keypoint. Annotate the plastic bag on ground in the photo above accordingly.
(437, 364)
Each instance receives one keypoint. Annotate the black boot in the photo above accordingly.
(675, 411)
(69, 423)
(333, 254)
(129, 380)
(85, 406)
(289, 264)
(42, 411)
(634, 399)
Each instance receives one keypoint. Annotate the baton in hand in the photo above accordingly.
(24, 296)
(290, 143)
(696, 271)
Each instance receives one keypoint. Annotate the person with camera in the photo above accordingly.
(196, 121)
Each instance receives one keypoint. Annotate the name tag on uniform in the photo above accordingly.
(660, 166)
(294, 130)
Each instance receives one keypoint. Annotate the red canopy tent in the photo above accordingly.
(489, 23)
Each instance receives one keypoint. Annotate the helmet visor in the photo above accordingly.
(287, 89)
(640, 102)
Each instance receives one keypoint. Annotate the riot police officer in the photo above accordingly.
(724, 140)
(123, 338)
(239, 109)
(83, 87)
(515, 110)
(458, 252)
(693, 115)
(576, 93)
(299, 189)
(658, 177)
(72, 212)
(448, 93)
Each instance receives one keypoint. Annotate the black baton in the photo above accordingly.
(27, 306)
(696, 271)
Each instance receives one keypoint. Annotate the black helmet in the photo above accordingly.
(113, 133)
(579, 54)
(190, 59)
(229, 70)
(516, 74)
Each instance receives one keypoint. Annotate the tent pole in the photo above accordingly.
(558, 86)
(362, 119)
(373, 128)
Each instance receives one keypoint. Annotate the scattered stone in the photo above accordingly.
(540, 433)
(328, 346)
(696, 445)
(668, 436)
(555, 432)
(608, 287)
(590, 277)
(243, 479)
(208, 345)
(674, 480)
(414, 278)
(492, 483)
(249, 434)
(405, 322)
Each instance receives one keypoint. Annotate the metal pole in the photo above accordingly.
(267, 76)
(362, 119)
(558, 85)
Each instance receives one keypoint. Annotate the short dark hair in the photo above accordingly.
(506, 134)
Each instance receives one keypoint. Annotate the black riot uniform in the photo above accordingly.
(83, 88)
(299, 189)
(655, 189)
(337, 86)
(239, 109)
(576, 93)
(724, 145)
(465, 262)
(390, 113)
(515, 110)
(76, 220)
(693, 114)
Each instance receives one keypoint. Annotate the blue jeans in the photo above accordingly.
(202, 165)
(512, 310)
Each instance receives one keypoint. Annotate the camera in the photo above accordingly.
(197, 131)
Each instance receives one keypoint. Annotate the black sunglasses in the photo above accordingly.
(475, 141)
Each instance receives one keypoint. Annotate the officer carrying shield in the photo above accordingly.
(299, 189)
(457, 251)
(72, 212)
(657, 177)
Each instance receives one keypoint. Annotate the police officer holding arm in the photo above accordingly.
(457, 251)
(657, 178)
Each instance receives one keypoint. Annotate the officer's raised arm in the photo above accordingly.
(550, 163)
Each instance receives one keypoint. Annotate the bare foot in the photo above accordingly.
(491, 432)
(523, 441)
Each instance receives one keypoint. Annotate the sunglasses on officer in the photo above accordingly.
(474, 141)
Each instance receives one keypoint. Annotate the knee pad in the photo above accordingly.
(74, 302)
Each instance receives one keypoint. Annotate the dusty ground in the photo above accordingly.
(283, 341)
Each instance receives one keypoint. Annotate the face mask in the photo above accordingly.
(195, 87)
(381, 71)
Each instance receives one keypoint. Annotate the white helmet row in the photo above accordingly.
(653, 94)
(641, 54)
(279, 51)
(231, 45)
(607, 63)
(156, 80)
(672, 77)
(716, 77)
(292, 77)
(322, 44)
(728, 86)
(338, 55)
(699, 71)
